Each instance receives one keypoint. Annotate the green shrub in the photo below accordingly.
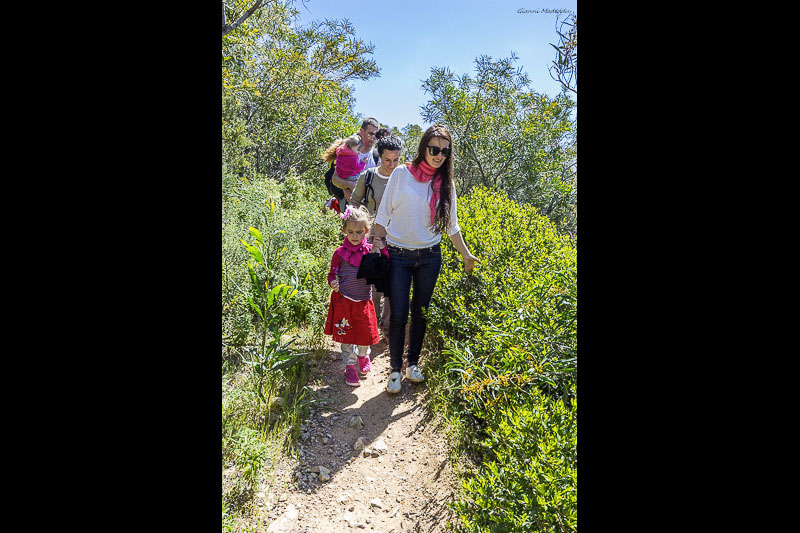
(303, 236)
(514, 318)
(228, 522)
(240, 408)
(504, 364)
(517, 248)
(249, 453)
(256, 432)
(529, 482)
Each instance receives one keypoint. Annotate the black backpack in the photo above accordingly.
(368, 190)
(368, 186)
(333, 189)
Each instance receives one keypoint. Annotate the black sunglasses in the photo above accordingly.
(434, 150)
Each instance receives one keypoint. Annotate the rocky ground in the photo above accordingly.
(368, 460)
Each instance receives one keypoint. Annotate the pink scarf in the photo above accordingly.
(353, 253)
(424, 173)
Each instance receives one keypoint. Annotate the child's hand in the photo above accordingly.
(335, 285)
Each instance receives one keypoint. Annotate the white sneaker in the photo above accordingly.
(393, 385)
(413, 373)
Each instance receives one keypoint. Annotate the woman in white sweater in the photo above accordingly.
(418, 204)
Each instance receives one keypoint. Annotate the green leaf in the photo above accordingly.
(253, 277)
(273, 293)
(286, 360)
(255, 253)
(256, 235)
(279, 287)
(254, 306)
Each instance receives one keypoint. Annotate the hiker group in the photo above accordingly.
(393, 217)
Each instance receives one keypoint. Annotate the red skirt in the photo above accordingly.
(352, 322)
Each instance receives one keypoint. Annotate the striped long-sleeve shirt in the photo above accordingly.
(349, 286)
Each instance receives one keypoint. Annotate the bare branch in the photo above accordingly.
(501, 170)
(565, 65)
(476, 159)
(479, 85)
(229, 28)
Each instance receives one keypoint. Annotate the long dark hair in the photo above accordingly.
(445, 172)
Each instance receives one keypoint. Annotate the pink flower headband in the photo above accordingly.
(347, 212)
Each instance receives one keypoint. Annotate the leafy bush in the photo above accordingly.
(526, 279)
(240, 408)
(250, 452)
(255, 432)
(276, 247)
(504, 365)
(301, 238)
(228, 522)
(530, 481)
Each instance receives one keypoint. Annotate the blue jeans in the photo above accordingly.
(420, 269)
(381, 303)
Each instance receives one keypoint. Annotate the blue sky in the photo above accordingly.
(412, 36)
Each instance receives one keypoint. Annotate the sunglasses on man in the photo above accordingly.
(434, 150)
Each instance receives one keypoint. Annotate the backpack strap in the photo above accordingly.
(368, 185)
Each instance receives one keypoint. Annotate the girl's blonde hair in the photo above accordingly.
(358, 214)
(352, 142)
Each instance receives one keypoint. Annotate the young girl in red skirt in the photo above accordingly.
(351, 314)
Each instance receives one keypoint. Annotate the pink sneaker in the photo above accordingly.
(351, 376)
(363, 364)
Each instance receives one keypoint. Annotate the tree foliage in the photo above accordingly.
(285, 92)
(564, 69)
(230, 27)
(508, 136)
(410, 136)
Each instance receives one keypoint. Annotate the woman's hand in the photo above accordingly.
(469, 261)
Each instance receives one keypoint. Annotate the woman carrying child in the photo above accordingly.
(351, 314)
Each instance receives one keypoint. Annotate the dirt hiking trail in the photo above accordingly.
(369, 460)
